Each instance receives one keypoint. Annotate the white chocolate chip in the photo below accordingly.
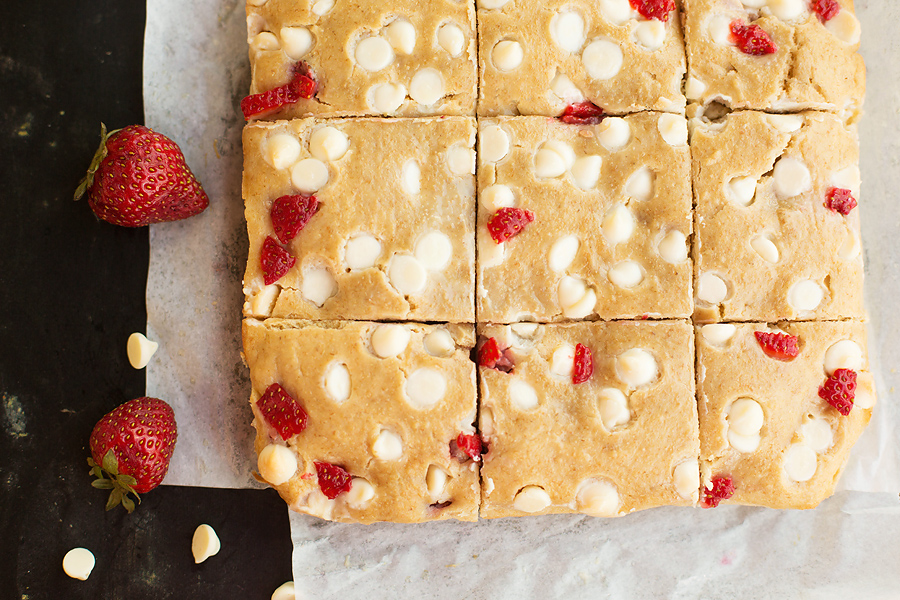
(787, 10)
(845, 27)
(139, 350)
(673, 129)
(401, 35)
(255, 24)
(563, 361)
(524, 330)
(548, 164)
(817, 434)
(741, 190)
(388, 446)
(374, 53)
(687, 479)
(567, 30)
(848, 179)
(410, 177)
(850, 247)
(497, 196)
(361, 491)
(744, 444)
(282, 150)
(800, 463)
(597, 498)
(613, 407)
(563, 149)
(616, 11)
(490, 253)
(318, 285)
(427, 86)
(386, 98)
(531, 499)
(791, 177)
(617, 225)
(640, 184)
(263, 302)
(565, 90)
(319, 505)
(786, 123)
(636, 367)
(425, 387)
(362, 252)
(265, 40)
(285, 591)
(460, 160)
(650, 34)
(494, 143)
(845, 354)
(626, 274)
(277, 464)
(602, 59)
(766, 248)
(711, 288)
(434, 250)
(718, 334)
(435, 481)
(562, 253)
(576, 299)
(309, 175)
(614, 133)
(805, 296)
(522, 396)
(864, 398)
(78, 563)
(754, 3)
(296, 41)
(439, 343)
(205, 543)
(390, 340)
(451, 39)
(693, 90)
(673, 248)
(586, 171)
(256, 2)
(491, 4)
(507, 55)
(337, 382)
(745, 416)
(719, 28)
(328, 143)
(321, 7)
(407, 274)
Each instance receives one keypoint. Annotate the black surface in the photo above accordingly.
(71, 291)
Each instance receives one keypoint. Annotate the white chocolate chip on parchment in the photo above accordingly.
(140, 350)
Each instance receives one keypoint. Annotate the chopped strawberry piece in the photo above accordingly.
(779, 346)
(333, 480)
(752, 39)
(302, 85)
(654, 9)
(582, 113)
(290, 214)
(722, 489)
(508, 222)
(282, 412)
(840, 390)
(584, 364)
(840, 201)
(826, 9)
(466, 446)
(275, 261)
(491, 356)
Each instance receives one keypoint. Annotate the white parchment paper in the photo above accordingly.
(195, 72)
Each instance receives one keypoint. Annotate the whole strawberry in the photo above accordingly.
(139, 177)
(130, 449)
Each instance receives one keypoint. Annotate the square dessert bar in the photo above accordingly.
(401, 58)
(382, 407)
(625, 438)
(784, 445)
(535, 58)
(775, 55)
(777, 233)
(386, 214)
(610, 210)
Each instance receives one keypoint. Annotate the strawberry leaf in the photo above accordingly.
(102, 484)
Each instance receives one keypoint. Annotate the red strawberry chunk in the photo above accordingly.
(722, 489)
(779, 346)
(752, 39)
(302, 85)
(654, 9)
(275, 261)
(282, 412)
(333, 480)
(826, 9)
(584, 364)
(840, 390)
(466, 446)
(508, 223)
(491, 356)
(840, 201)
(582, 113)
(290, 214)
